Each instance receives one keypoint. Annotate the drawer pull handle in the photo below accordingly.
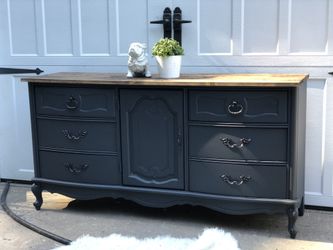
(76, 170)
(179, 137)
(242, 179)
(235, 108)
(72, 137)
(72, 103)
(229, 143)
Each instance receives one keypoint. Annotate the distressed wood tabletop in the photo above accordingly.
(218, 80)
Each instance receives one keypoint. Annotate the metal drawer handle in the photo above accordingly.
(243, 179)
(72, 137)
(229, 143)
(179, 137)
(235, 108)
(76, 170)
(72, 103)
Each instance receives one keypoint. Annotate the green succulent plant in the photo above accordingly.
(167, 47)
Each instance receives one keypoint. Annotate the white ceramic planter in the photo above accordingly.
(169, 66)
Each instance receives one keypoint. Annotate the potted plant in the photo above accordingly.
(168, 54)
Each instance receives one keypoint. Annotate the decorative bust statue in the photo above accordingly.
(137, 61)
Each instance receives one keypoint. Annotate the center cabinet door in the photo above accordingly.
(152, 138)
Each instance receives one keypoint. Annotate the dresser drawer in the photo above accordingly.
(72, 101)
(79, 168)
(238, 180)
(256, 144)
(239, 106)
(77, 135)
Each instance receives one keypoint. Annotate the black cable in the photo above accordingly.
(27, 224)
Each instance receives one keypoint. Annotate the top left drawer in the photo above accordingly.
(72, 101)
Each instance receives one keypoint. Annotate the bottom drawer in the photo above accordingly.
(79, 168)
(225, 179)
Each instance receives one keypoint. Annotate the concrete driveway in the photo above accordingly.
(71, 219)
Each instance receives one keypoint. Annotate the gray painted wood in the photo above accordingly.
(77, 135)
(152, 138)
(264, 144)
(239, 106)
(297, 145)
(80, 168)
(148, 128)
(264, 181)
(75, 102)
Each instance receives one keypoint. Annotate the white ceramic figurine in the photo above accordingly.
(137, 61)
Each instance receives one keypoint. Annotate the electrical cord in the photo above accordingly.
(27, 224)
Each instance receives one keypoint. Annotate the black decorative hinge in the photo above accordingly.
(177, 24)
(166, 21)
(10, 71)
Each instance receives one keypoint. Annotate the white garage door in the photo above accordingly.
(279, 36)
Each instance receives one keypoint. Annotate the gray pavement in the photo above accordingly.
(71, 219)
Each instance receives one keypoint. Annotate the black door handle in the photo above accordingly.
(166, 23)
(177, 24)
(9, 71)
(331, 73)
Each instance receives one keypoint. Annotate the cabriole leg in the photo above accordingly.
(292, 217)
(37, 191)
(301, 208)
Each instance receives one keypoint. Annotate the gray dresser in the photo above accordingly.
(231, 143)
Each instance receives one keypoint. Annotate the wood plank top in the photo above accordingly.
(209, 80)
